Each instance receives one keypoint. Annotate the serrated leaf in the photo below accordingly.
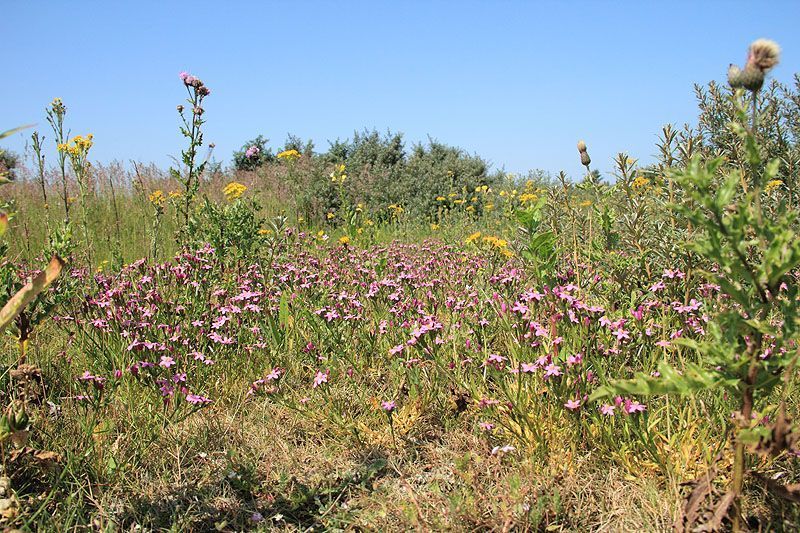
(692, 379)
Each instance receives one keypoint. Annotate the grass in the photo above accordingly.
(534, 356)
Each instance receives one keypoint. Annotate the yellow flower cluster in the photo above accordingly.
(528, 197)
(773, 184)
(396, 210)
(345, 240)
(473, 238)
(490, 242)
(58, 106)
(338, 175)
(640, 181)
(78, 146)
(234, 190)
(498, 245)
(289, 155)
(157, 198)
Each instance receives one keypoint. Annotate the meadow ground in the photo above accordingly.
(372, 340)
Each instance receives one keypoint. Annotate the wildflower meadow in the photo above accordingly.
(383, 337)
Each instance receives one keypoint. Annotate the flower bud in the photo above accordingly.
(585, 159)
(734, 76)
(752, 78)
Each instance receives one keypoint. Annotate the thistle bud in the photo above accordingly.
(752, 78)
(735, 76)
(585, 159)
(762, 56)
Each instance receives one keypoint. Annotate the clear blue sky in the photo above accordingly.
(516, 82)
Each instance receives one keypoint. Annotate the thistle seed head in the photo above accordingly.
(763, 54)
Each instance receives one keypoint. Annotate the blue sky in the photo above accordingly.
(518, 83)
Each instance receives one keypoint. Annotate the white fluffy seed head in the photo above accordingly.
(764, 54)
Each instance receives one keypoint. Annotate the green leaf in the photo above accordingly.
(29, 292)
(283, 309)
(15, 130)
(692, 379)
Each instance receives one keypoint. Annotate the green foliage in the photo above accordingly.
(538, 248)
(265, 155)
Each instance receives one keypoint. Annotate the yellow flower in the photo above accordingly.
(440, 198)
(434, 227)
(527, 197)
(338, 174)
(640, 181)
(174, 194)
(264, 231)
(772, 185)
(474, 237)
(345, 240)
(330, 216)
(290, 155)
(157, 198)
(470, 208)
(234, 190)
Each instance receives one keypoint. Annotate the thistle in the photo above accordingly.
(762, 56)
(585, 159)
